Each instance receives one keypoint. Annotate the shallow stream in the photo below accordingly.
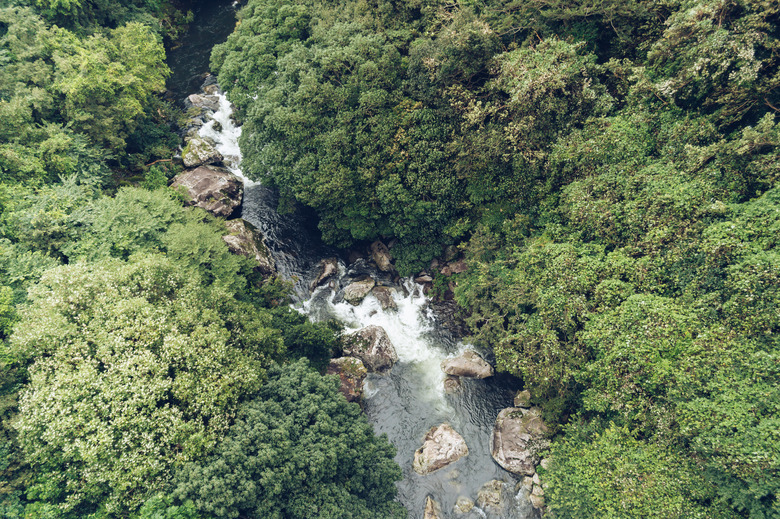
(406, 402)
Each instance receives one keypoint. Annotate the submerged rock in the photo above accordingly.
(214, 189)
(200, 151)
(452, 384)
(463, 505)
(468, 364)
(356, 291)
(518, 437)
(385, 297)
(352, 373)
(432, 509)
(441, 446)
(246, 240)
(490, 496)
(371, 345)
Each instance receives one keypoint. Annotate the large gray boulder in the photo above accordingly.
(214, 189)
(246, 240)
(199, 151)
(468, 364)
(204, 102)
(352, 373)
(371, 345)
(441, 446)
(518, 437)
(356, 291)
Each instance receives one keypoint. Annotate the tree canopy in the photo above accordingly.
(298, 450)
(608, 170)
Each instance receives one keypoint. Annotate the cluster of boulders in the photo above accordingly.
(215, 189)
(199, 150)
(368, 350)
(496, 498)
(519, 438)
(373, 274)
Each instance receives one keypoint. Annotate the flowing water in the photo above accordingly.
(406, 402)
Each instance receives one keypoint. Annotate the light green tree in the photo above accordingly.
(107, 79)
(135, 368)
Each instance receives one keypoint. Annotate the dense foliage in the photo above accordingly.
(133, 341)
(610, 172)
(298, 451)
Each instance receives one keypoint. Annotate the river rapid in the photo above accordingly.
(406, 402)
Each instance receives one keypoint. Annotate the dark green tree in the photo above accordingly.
(298, 450)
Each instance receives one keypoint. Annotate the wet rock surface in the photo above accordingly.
(432, 509)
(198, 151)
(490, 496)
(468, 364)
(356, 291)
(463, 505)
(214, 189)
(382, 257)
(328, 268)
(206, 101)
(371, 345)
(518, 437)
(385, 297)
(452, 384)
(352, 373)
(441, 447)
(246, 240)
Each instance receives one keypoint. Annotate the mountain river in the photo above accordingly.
(406, 402)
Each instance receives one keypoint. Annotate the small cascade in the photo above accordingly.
(410, 399)
(406, 402)
(222, 129)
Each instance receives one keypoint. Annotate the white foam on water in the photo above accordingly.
(408, 328)
(226, 138)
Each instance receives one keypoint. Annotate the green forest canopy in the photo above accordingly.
(608, 169)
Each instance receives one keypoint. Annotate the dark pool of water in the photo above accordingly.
(189, 58)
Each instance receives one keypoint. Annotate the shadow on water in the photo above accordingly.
(189, 58)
